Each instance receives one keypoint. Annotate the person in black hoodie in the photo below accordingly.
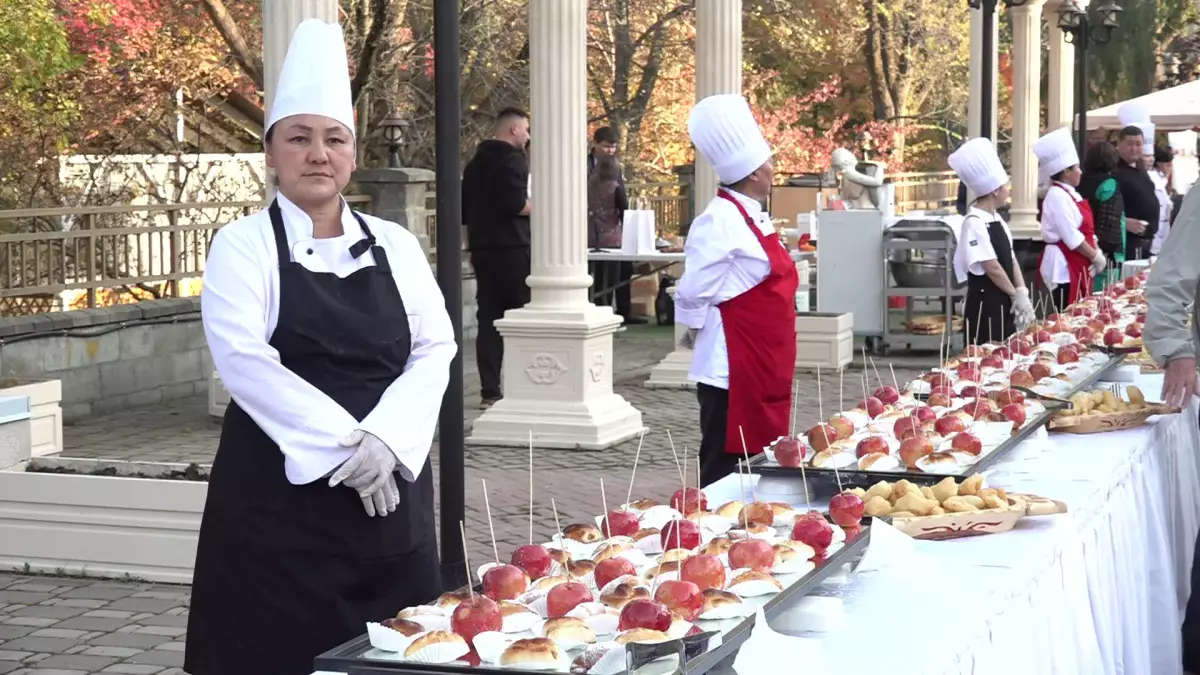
(496, 209)
(1099, 187)
(1137, 190)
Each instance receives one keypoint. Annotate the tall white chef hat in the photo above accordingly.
(726, 134)
(1055, 152)
(1147, 137)
(978, 166)
(1133, 113)
(315, 79)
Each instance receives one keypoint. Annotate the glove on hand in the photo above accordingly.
(369, 472)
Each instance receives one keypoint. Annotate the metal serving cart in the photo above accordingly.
(918, 256)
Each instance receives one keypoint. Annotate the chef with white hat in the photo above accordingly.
(1142, 207)
(737, 295)
(332, 337)
(1070, 258)
(997, 302)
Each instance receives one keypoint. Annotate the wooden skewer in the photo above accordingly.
(671, 442)
(876, 371)
(604, 502)
(699, 487)
(488, 507)
(821, 410)
(978, 322)
(467, 560)
(804, 479)
(895, 383)
(836, 476)
(531, 487)
(741, 482)
(636, 457)
(554, 508)
(841, 388)
(746, 453)
(795, 405)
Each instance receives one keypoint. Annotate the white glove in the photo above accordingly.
(688, 341)
(369, 471)
(1022, 309)
(1099, 262)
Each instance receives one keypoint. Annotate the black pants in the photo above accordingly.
(1191, 618)
(607, 274)
(499, 286)
(1060, 298)
(1137, 247)
(715, 463)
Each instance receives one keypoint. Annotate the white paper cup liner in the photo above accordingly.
(738, 611)
(635, 556)
(519, 623)
(718, 525)
(753, 589)
(387, 640)
(577, 550)
(565, 644)
(624, 578)
(536, 601)
(413, 613)
(491, 644)
(603, 624)
(440, 653)
(806, 552)
(585, 609)
(431, 622)
(658, 516)
(649, 545)
(724, 558)
(834, 547)
(838, 533)
(766, 535)
(797, 565)
(588, 579)
(612, 663)
(670, 575)
(482, 570)
(678, 629)
(651, 642)
(785, 519)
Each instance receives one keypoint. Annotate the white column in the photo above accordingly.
(974, 110)
(1060, 71)
(279, 21)
(718, 71)
(557, 369)
(1026, 115)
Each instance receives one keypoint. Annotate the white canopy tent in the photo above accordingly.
(1174, 109)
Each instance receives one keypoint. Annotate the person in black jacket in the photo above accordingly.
(1137, 190)
(496, 208)
(1099, 187)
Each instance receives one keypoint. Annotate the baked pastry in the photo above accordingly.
(583, 533)
(674, 555)
(569, 629)
(536, 652)
(620, 596)
(642, 635)
(580, 568)
(559, 556)
(510, 608)
(730, 509)
(450, 599)
(646, 532)
(717, 546)
(436, 637)
(662, 568)
(546, 583)
(752, 575)
(404, 626)
(609, 551)
(643, 504)
(715, 597)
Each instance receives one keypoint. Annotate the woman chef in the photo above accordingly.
(1071, 257)
(997, 302)
(332, 338)
(737, 295)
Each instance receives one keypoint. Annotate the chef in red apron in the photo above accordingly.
(1071, 258)
(737, 294)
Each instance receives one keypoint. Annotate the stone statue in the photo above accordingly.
(862, 182)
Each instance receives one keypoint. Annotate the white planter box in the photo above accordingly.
(100, 526)
(824, 340)
(45, 413)
(218, 396)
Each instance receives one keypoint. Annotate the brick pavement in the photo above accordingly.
(72, 626)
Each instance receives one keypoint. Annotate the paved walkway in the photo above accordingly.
(72, 626)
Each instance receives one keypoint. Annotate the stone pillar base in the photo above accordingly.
(558, 383)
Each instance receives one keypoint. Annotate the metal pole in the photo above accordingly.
(447, 131)
(1081, 37)
(988, 7)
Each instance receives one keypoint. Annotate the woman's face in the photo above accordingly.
(313, 157)
(1071, 176)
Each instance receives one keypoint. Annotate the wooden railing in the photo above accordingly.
(924, 191)
(150, 248)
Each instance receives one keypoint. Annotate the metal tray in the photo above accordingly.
(825, 481)
(347, 657)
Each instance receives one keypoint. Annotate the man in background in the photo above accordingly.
(496, 209)
(1137, 191)
(616, 273)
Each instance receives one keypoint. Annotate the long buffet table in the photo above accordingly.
(1098, 590)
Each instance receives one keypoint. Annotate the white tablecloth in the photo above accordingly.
(1099, 590)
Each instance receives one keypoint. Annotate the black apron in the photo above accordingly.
(987, 315)
(285, 572)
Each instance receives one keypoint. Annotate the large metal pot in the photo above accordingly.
(920, 274)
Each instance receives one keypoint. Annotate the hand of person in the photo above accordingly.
(1179, 382)
(1099, 263)
(688, 341)
(1022, 309)
(369, 471)
(1135, 226)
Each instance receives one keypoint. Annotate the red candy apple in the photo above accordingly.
(1039, 371)
(1014, 412)
(906, 427)
(619, 523)
(1067, 356)
(846, 509)
(682, 597)
(474, 615)
(505, 582)
(1006, 397)
(842, 425)
(949, 424)
(611, 568)
(821, 437)
(924, 413)
(1133, 330)
(873, 406)
(755, 554)
(1132, 282)
(887, 395)
(1113, 337)
(564, 597)
(871, 444)
(1021, 378)
(789, 453)
(533, 558)
(915, 448)
(814, 530)
(688, 502)
(966, 442)
(680, 534)
(706, 571)
(643, 613)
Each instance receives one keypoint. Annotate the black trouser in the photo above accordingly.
(607, 274)
(1137, 247)
(499, 286)
(1191, 618)
(715, 463)
(1060, 298)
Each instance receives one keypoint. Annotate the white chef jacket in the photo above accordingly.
(722, 260)
(1061, 221)
(1164, 210)
(975, 244)
(240, 309)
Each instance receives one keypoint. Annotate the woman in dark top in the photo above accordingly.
(607, 203)
(1100, 188)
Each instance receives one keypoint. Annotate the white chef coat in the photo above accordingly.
(1061, 221)
(1164, 210)
(975, 244)
(240, 309)
(722, 260)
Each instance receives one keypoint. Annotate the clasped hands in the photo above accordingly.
(369, 471)
(1022, 309)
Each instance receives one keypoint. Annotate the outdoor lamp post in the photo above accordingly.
(989, 53)
(393, 132)
(1078, 30)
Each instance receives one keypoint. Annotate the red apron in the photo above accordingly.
(1079, 267)
(760, 340)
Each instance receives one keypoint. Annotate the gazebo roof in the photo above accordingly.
(1174, 109)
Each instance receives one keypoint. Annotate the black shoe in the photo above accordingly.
(631, 320)
(488, 401)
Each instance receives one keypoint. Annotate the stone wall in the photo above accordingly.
(111, 358)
